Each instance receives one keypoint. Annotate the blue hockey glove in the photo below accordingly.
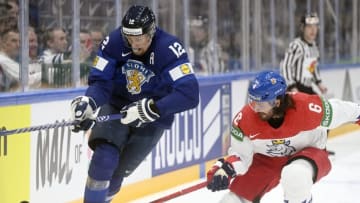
(139, 113)
(82, 110)
(219, 176)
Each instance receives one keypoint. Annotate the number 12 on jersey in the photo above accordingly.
(177, 49)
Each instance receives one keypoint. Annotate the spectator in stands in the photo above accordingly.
(87, 55)
(34, 63)
(33, 44)
(13, 8)
(86, 46)
(13, 13)
(9, 67)
(203, 51)
(56, 59)
(56, 51)
(97, 37)
(3, 17)
(9, 12)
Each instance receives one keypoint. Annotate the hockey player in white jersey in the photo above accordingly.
(278, 137)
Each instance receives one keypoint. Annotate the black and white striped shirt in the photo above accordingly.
(300, 64)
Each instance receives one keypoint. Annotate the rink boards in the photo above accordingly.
(51, 165)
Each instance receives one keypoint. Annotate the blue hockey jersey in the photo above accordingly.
(163, 73)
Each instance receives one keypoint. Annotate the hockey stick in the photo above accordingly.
(4, 132)
(180, 192)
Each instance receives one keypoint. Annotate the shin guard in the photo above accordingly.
(297, 181)
(102, 166)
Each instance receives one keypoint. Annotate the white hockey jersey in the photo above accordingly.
(305, 125)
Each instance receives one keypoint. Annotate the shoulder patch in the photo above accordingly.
(237, 133)
(100, 63)
(181, 71)
(327, 116)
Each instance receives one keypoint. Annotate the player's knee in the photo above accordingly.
(231, 197)
(297, 180)
(104, 162)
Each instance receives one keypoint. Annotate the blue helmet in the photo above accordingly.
(266, 86)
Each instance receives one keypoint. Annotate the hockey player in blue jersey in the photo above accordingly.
(144, 73)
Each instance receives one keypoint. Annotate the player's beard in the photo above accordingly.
(265, 116)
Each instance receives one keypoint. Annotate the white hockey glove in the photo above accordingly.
(82, 110)
(139, 113)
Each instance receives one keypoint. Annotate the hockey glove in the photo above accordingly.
(219, 176)
(82, 110)
(139, 113)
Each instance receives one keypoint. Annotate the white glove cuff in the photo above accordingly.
(145, 112)
(83, 107)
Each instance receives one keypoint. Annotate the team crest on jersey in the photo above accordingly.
(280, 148)
(136, 75)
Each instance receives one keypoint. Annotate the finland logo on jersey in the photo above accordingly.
(136, 75)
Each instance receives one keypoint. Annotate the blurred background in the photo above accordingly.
(53, 42)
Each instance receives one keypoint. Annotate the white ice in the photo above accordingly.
(341, 185)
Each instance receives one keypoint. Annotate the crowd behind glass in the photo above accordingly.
(227, 36)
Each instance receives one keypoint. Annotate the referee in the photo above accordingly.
(300, 64)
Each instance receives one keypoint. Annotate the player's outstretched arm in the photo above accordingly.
(343, 112)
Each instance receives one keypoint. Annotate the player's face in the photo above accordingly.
(310, 32)
(263, 109)
(139, 44)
